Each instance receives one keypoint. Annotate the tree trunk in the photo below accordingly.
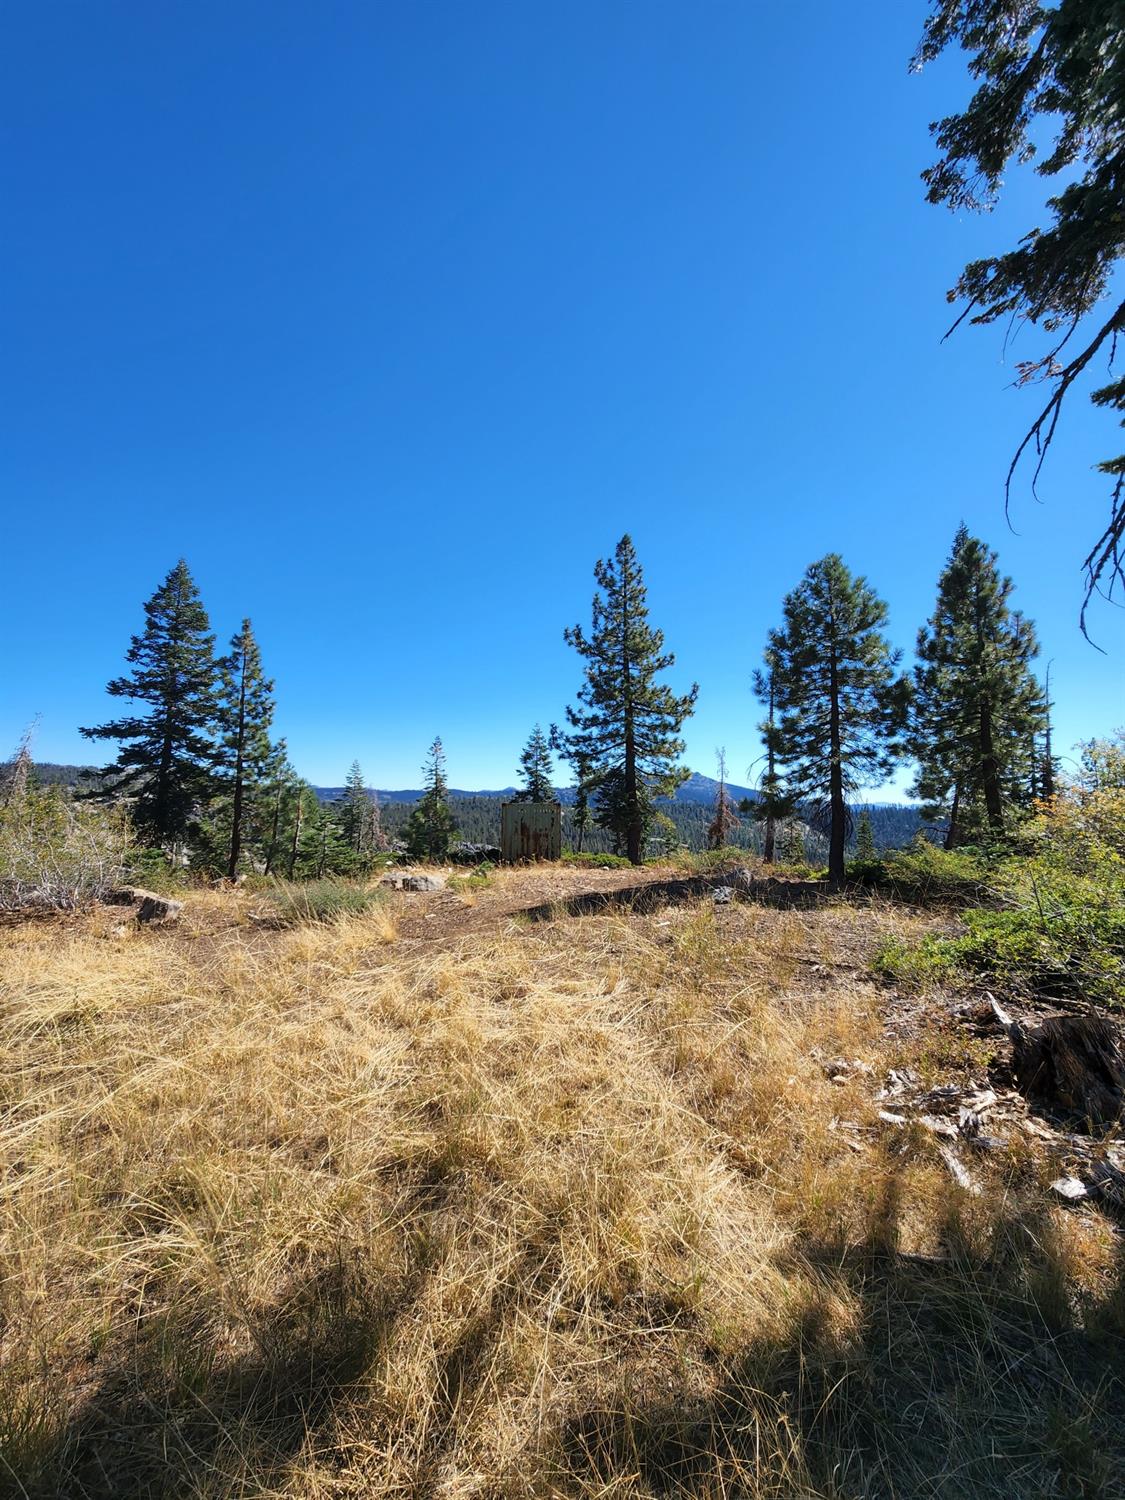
(236, 809)
(296, 834)
(1048, 759)
(634, 830)
(163, 783)
(838, 808)
(990, 772)
(771, 783)
(954, 812)
(272, 850)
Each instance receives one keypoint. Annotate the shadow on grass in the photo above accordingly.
(646, 896)
(963, 1376)
(968, 1374)
(174, 1417)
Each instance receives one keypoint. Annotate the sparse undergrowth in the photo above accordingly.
(57, 854)
(595, 861)
(561, 1212)
(1048, 916)
(295, 903)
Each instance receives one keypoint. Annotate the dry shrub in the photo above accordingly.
(56, 854)
(561, 1212)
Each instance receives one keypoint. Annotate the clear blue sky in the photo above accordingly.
(391, 318)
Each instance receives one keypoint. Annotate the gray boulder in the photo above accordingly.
(414, 882)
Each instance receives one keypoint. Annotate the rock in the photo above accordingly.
(414, 882)
(151, 908)
(1070, 1189)
(1071, 1062)
(124, 895)
(157, 910)
(474, 854)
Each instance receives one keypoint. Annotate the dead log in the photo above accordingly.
(1074, 1063)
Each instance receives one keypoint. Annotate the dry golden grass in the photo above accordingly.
(554, 1210)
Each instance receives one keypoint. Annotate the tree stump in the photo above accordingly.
(1074, 1063)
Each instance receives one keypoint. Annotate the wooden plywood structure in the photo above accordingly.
(530, 830)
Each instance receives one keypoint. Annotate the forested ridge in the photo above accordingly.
(205, 782)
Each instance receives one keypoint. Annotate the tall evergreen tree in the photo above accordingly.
(536, 769)
(167, 756)
(245, 715)
(430, 827)
(841, 702)
(774, 804)
(628, 724)
(977, 709)
(353, 812)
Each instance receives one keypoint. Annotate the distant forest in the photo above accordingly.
(477, 817)
(478, 822)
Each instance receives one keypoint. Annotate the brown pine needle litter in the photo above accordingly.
(551, 1208)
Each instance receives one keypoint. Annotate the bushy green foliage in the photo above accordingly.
(926, 875)
(1068, 941)
(1055, 924)
(57, 855)
(324, 900)
(152, 869)
(479, 878)
(595, 861)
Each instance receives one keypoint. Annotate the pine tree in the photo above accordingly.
(283, 780)
(841, 703)
(581, 815)
(304, 814)
(1049, 764)
(583, 769)
(791, 845)
(536, 770)
(353, 812)
(430, 827)
(725, 820)
(773, 804)
(245, 714)
(865, 851)
(977, 708)
(167, 757)
(628, 724)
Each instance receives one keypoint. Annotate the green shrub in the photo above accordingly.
(479, 878)
(595, 861)
(1062, 935)
(295, 904)
(153, 869)
(924, 874)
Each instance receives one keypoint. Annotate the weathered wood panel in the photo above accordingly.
(530, 830)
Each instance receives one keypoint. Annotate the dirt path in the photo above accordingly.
(460, 911)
